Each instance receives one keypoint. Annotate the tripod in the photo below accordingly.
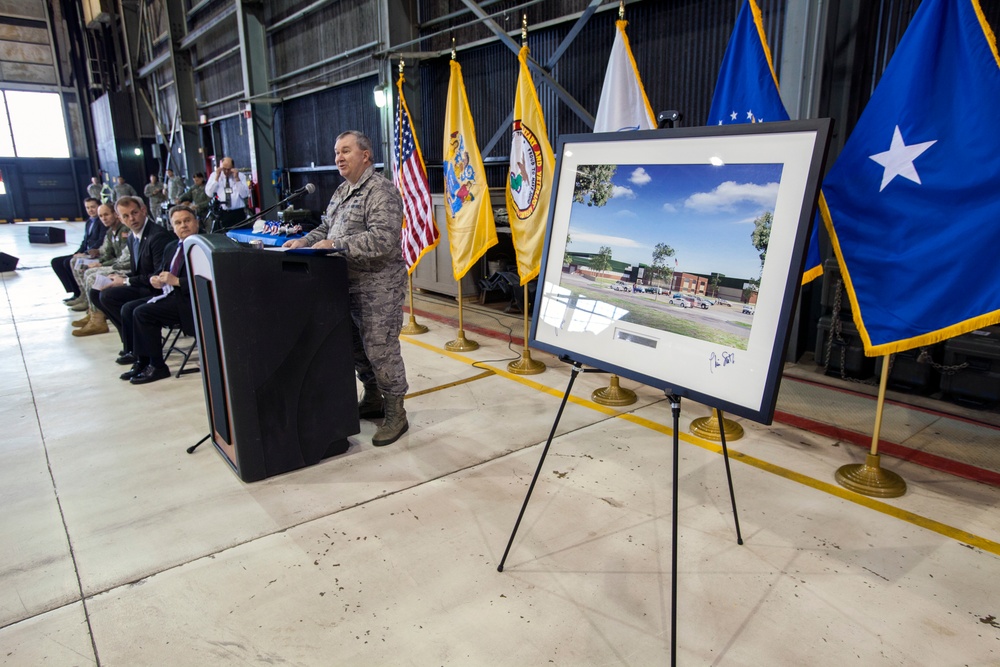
(675, 408)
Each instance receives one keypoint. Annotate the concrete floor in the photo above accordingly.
(118, 548)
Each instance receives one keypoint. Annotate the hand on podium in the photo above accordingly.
(295, 243)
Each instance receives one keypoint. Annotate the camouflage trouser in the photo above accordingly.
(79, 269)
(89, 276)
(376, 318)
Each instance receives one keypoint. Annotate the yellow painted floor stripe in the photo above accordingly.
(913, 518)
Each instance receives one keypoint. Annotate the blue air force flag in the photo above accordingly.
(747, 92)
(747, 89)
(911, 204)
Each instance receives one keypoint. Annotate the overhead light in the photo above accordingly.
(716, 160)
(138, 151)
(381, 96)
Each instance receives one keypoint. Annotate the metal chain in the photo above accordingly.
(836, 331)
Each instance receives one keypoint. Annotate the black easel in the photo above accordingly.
(675, 408)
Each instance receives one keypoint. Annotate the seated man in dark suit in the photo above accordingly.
(93, 237)
(147, 242)
(143, 319)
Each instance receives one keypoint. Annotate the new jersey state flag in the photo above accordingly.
(747, 92)
(471, 230)
(623, 104)
(529, 181)
(912, 203)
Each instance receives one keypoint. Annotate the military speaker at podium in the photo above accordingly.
(363, 220)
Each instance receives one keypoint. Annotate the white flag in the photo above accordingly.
(623, 103)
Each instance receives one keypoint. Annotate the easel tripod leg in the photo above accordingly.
(675, 408)
(729, 478)
(538, 470)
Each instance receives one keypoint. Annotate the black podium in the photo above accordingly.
(274, 334)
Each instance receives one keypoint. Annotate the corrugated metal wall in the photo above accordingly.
(678, 47)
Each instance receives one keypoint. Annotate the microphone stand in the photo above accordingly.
(257, 216)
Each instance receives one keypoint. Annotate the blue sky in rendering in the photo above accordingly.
(704, 212)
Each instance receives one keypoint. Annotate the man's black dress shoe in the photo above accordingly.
(150, 374)
(125, 359)
(132, 372)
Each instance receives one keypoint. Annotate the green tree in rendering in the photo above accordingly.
(660, 268)
(602, 262)
(593, 185)
(761, 234)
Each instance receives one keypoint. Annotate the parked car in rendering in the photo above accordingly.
(747, 309)
(683, 301)
(702, 303)
(621, 286)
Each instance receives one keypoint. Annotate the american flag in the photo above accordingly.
(420, 232)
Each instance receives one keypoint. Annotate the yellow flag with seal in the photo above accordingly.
(471, 230)
(529, 181)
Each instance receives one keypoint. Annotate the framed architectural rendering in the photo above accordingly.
(674, 257)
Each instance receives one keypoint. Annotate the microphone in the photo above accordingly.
(307, 190)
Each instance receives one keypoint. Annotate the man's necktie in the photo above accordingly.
(229, 189)
(175, 263)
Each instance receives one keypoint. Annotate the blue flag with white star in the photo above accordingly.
(912, 203)
(747, 92)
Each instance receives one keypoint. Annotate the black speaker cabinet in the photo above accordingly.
(37, 234)
(274, 333)
(7, 262)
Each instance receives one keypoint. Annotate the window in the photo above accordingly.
(32, 125)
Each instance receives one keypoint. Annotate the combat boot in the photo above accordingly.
(76, 301)
(371, 405)
(82, 322)
(98, 324)
(395, 423)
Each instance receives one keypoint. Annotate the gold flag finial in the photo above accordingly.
(621, 10)
(454, 55)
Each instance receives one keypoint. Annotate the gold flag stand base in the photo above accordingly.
(614, 394)
(461, 344)
(708, 428)
(869, 479)
(526, 365)
(412, 328)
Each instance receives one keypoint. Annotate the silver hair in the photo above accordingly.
(364, 143)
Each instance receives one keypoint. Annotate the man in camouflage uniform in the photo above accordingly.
(175, 186)
(114, 258)
(95, 188)
(156, 193)
(123, 189)
(364, 218)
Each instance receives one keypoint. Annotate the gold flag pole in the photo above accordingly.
(709, 427)
(412, 328)
(869, 478)
(461, 344)
(526, 365)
